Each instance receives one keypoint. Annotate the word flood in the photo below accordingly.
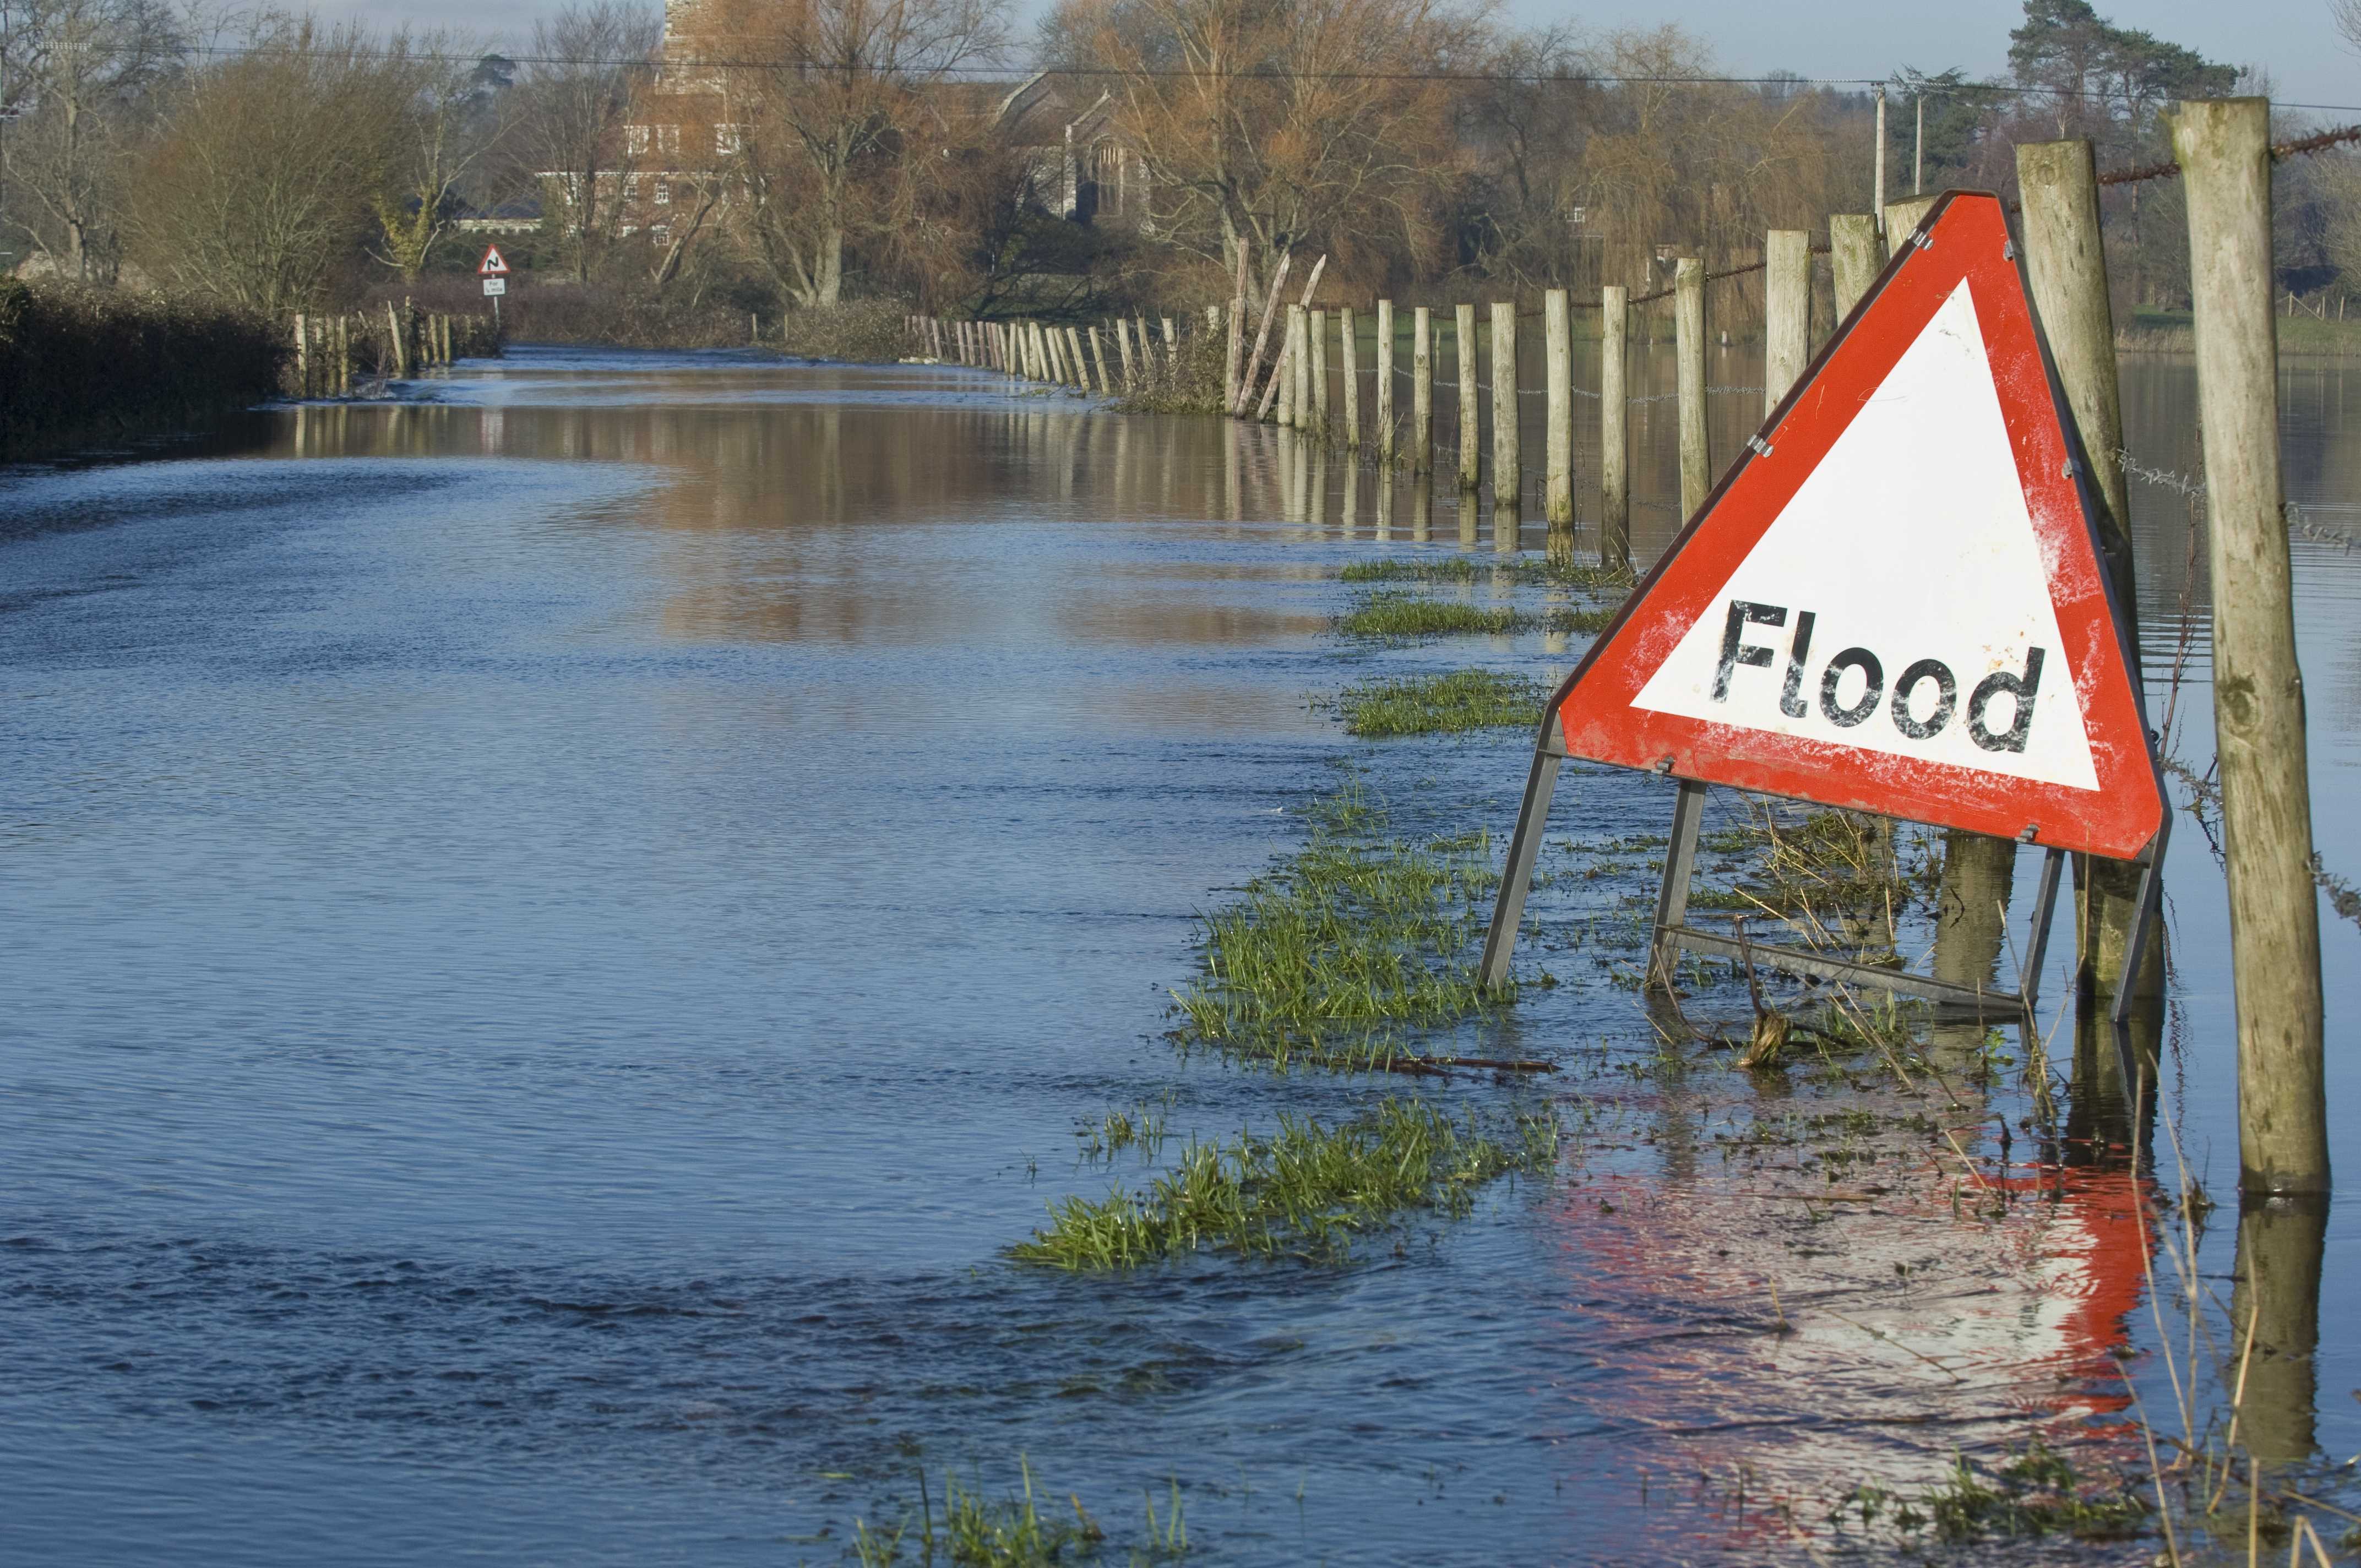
(1925, 697)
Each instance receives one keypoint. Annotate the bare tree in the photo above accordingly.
(81, 70)
(589, 63)
(1280, 122)
(259, 180)
(830, 122)
(455, 123)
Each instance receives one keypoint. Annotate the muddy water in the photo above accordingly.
(555, 931)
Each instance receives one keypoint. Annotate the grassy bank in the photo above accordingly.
(2301, 336)
(97, 364)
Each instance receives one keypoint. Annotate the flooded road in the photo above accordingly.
(554, 933)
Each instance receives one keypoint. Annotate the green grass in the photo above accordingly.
(1581, 622)
(1441, 705)
(1307, 1190)
(1522, 569)
(1390, 614)
(978, 1532)
(1357, 937)
(2302, 333)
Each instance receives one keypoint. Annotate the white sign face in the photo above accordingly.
(1899, 603)
(495, 285)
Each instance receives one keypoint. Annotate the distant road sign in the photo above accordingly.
(495, 285)
(494, 265)
(1894, 602)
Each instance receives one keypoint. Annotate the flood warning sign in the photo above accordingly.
(1894, 602)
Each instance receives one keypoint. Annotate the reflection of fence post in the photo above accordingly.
(1508, 456)
(2224, 147)
(1463, 349)
(1614, 409)
(1688, 351)
(1385, 404)
(1557, 344)
(1348, 375)
(2066, 257)
(1421, 393)
(1786, 312)
(2278, 1269)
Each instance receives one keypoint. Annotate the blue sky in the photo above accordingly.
(2291, 39)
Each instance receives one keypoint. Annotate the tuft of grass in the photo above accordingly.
(1447, 704)
(1141, 1126)
(1580, 622)
(1307, 1190)
(1394, 614)
(1520, 570)
(1355, 935)
(979, 1532)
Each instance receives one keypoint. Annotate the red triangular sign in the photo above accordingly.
(494, 264)
(1894, 602)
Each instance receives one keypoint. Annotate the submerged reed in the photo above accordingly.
(1390, 614)
(1307, 1190)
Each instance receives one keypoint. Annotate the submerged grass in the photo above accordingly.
(978, 1532)
(1357, 935)
(1522, 570)
(1307, 1190)
(1441, 705)
(1402, 615)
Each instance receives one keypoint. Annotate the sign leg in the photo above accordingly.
(2144, 918)
(1672, 898)
(1516, 876)
(2036, 952)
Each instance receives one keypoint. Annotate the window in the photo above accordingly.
(635, 139)
(1106, 173)
(668, 139)
(663, 193)
(728, 139)
(631, 187)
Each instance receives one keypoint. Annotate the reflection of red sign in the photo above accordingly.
(494, 265)
(1895, 602)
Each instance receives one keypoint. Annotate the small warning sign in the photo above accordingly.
(1895, 603)
(494, 265)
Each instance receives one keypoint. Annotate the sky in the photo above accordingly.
(2293, 40)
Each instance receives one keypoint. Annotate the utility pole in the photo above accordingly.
(1877, 199)
(1919, 152)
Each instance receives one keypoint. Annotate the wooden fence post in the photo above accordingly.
(1470, 407)
(1902, 217)
(1421, 390)
(1786, 312)
(1098, 355)
(343, 355)
(2066, 261)
(1854, 256)
(1507, 458)
(1348, 375)
(1557, 344)
(1122, 346)
(1688, 351)
(2223, 148)
(1262, 335)
(1614, 411)
(1316, 358)
(302, 360)
(1385, 401)
(400, 350)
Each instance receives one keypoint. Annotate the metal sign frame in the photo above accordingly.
(1673, 934)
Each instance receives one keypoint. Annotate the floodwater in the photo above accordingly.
(555, 931)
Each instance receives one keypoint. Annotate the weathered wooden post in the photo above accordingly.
(1236, 346)
(1786, 311)
(1316, 358)
(400, 348)
(1080, 361)
(1471, 455)
(1508, 458)
(1614, 448)
(1123, 348)
(302, 360)
(1098, 355)
(1902, 217)
(1557, 344)
(1289, 358)
(1688, 351)
(343, 355)
(1348, 376)
(1421, 390)
(1854, 256)
(1262, 335)
(1299, 367)
(2223, 148)
(1171, 339)
(1385, 399)
(2066, 261)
